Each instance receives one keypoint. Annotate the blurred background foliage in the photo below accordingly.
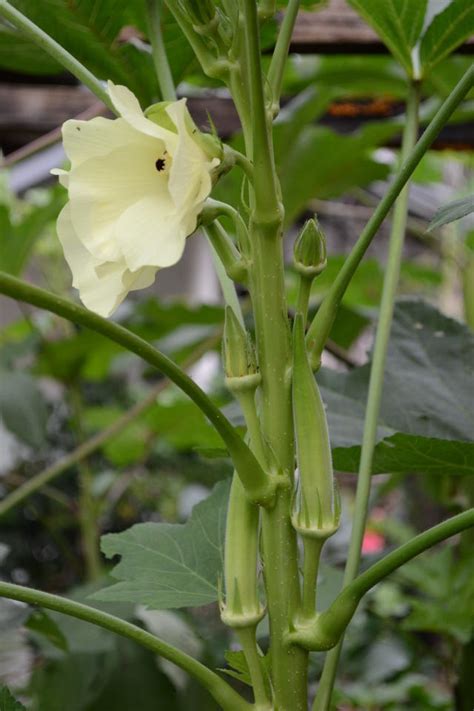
(151, 455)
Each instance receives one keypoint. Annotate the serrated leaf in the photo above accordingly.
(238, 667)
(452, 211)
(449, 29)
(170, 565)
(8, 701)
(397, 22)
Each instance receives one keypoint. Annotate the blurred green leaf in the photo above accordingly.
(44, 625)
(448, 30)
(19, 54)
(22, 407)
(452, 211)
(170, 565)
(8, 702)
(397, 22)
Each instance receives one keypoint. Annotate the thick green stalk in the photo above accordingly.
(326, 629)
(392, 273)
(258, 485)
(265, 180)
(280, 53)
(288, 665)
(84, 450)
(217, 687)
(322, 323)
(54, 49)
(160, 59)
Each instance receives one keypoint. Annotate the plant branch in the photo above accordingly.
(392, 273)
(280, 53)
(257, 484)
(324, 319)
(217, 687)
(54, 49)
(43, 478)
(160, 59)
(327, 628)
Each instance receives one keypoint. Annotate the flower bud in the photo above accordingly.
(309, 254)
(240, 361)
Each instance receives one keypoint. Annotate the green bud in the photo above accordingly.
(209, 143)
(240, 361)
(309, 254)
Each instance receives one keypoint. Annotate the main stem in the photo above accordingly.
(397, 238)
(288, 664)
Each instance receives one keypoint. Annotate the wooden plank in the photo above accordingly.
(29, 112)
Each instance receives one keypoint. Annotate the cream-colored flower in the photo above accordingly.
(136, 187)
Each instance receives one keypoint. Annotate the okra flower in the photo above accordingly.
(136, 187)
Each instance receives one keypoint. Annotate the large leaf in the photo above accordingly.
(397, 22)
(448, 30)
(426, 420)
(171, 565)
(19, 54)
(452, 211)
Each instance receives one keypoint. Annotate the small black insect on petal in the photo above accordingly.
(160, 164)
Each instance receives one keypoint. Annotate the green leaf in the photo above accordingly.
(170, 565)
(22, 407)
(19, 54)
(91, 31)
(426, 420)
(238, 667)
(402, 453)
(8, 702)
(448, 30)
(397, 22)
(452, 211)
(44, 625)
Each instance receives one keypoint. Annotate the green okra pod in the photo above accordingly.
(242, 607)
(317, 509)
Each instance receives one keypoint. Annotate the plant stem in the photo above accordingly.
(160, 59)
(247, 403)
(374, 397)
(256, 482)
(247, 639)
(324, 319)
(302, 299)
(279, 549)
(54, 49)
(280, 53)
(217, 687)
(312, 554)
(327, 627)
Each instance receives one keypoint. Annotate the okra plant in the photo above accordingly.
(139, 185)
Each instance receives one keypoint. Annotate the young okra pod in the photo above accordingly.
(317, 510)
(242, 607)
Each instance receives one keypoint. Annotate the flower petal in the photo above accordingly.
(95, 138)
(101, 295)
(189, 181)
(100, 190)
(150, 233)
(128, 107)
